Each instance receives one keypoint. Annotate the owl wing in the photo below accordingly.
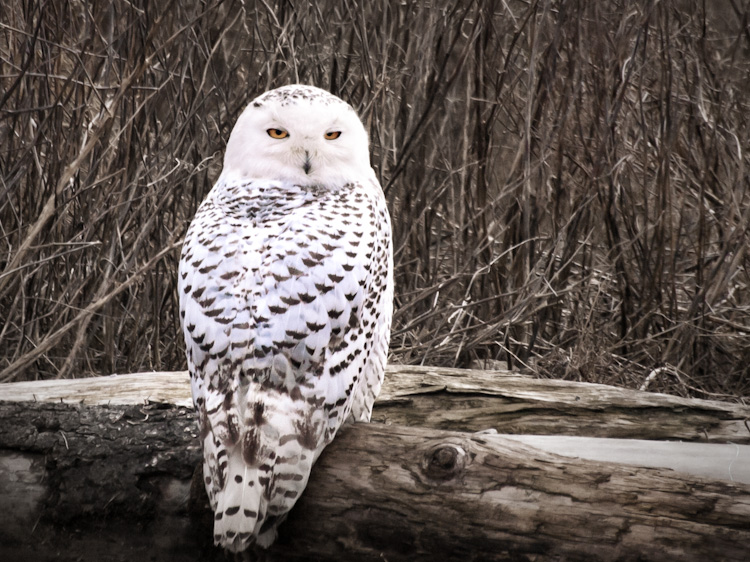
(286, 307)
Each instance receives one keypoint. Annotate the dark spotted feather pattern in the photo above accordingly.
(286, 302)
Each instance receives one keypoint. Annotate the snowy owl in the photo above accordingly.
(286, 299)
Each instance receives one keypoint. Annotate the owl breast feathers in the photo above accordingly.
(286, 299)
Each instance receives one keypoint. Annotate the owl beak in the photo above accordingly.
(307, 165)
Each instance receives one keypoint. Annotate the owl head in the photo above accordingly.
(299, 134)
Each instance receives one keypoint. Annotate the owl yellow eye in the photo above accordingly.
(277, 133)
(332, 135)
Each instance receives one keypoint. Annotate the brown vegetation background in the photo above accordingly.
(568, 179)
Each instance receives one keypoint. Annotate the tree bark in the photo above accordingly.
(462, 400)
(116, 481)
(471, 400)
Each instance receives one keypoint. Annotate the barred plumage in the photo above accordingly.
(286, 290)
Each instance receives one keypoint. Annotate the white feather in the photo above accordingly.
(286, 290)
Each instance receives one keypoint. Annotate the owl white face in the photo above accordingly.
(300, 134)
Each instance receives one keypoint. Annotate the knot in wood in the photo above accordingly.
(444, 461)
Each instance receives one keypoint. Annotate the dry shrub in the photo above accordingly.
(568, 179)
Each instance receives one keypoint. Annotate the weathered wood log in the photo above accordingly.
(464, 400)
(455, 496)
(96, 482)
(469, 400)
(116, 486)
(114, 482)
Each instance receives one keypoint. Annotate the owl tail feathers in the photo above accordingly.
(240, 510)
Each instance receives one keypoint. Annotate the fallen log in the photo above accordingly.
(462, 400)
(115, 482)
(471, 400)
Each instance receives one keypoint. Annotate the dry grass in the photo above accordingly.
(568, 180)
